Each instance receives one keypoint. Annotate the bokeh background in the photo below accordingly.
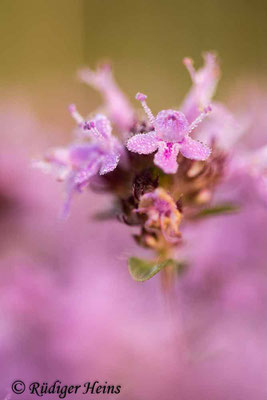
(44, 42)
(68, 308)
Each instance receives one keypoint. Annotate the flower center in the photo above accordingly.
(172, 117)
(162, 206)
(167, 151)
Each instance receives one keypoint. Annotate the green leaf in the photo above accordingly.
(142, 270)
(217, 210)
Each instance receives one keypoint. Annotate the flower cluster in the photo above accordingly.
(160, 175)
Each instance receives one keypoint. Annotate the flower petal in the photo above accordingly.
(166, 156)
(195, 150)
(103, 125)
(76, 181)
(109, 163)
(222, 126)
(69, 191)
(56, 162)
(143, 143)
(171, 125)
(81, 154)
(83, 175)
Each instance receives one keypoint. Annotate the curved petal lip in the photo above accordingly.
(143, 143)
(195, 150)
(109, 163)
(166, 158)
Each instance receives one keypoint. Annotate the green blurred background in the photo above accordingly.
(43, 42)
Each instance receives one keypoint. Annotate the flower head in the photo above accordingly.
(79, 162)
(169, 137)
(162, 214)
(117, 106)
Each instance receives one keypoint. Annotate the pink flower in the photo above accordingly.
(221, 125)
(117, 106)
(205, 81)
(170, 135)
(78, 163)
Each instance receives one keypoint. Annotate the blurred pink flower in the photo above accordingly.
(205, 82)
(79, 162)
(221, 124)
(117, 106)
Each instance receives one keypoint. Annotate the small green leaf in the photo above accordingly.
(142, 270)
(217, 210)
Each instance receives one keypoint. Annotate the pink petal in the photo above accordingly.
(171, 125)
(109, 163)
(223, 126)
(166, 156)
(75, 182)
(194, 150)
(69, 191)
(103, 125)
(143, 143)
(81, 154)
(83, 175)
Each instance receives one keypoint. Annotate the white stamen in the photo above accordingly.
(199, 119)
(188, 62)
(75, 114)
(90, 127)
(142, 98)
